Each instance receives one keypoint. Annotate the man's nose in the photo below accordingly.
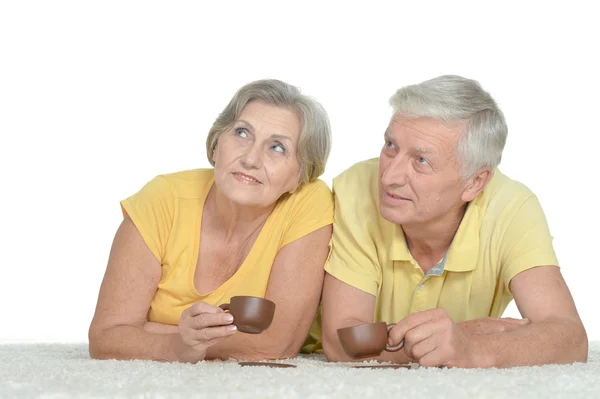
(395, 174)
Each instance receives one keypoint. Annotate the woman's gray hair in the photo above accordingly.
(452, 98)
(314, 143)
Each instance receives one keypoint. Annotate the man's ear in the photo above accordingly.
(476, 184)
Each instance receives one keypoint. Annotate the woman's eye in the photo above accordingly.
(241, 132)
(278, 148)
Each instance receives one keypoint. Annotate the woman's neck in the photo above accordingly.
(235, 221)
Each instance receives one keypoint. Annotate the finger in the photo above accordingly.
(205, 320)
(423, 348)
(211, 334)
(411, 321)
(524, 321)
(417, 335)
(434, 359)
(202, 307)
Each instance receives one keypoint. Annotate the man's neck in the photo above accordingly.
(432, 240)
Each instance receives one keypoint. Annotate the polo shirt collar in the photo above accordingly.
(464, 250)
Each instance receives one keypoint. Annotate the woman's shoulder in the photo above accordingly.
(317, 190)
(191, 183)
(314, 197)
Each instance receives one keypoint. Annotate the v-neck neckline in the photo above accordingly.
(196, 245)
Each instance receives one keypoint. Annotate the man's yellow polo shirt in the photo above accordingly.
(504, 232)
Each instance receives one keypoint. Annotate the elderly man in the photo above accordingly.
(432, 237)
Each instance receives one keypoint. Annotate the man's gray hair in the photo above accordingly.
(314, 144)
(452, 98)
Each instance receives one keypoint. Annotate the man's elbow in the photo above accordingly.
(581, 344)
(575, 343)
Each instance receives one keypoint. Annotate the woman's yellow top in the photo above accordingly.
(167, 211)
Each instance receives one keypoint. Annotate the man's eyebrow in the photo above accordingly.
(423, 150)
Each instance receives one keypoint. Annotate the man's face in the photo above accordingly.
(419, 173)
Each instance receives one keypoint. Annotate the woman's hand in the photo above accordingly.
(201, 326)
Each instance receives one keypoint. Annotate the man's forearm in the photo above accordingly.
(335, 353)
(559, 342)
(132, 342)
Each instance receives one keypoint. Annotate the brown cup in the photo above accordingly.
(251, 315)
(367, 340)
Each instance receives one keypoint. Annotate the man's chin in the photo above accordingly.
(393, 215)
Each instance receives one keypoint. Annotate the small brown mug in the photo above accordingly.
(251, 315)
(367, 340)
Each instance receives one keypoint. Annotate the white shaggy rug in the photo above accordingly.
(66, 371)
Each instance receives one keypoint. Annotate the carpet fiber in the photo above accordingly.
(66, 371)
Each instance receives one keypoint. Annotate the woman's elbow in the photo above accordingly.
(287, 350)
(96, 346)
(331, 351)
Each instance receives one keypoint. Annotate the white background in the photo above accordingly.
(96, 98)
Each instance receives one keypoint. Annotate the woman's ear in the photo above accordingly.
(293, 190)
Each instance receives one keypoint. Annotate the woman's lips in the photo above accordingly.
(244, 178)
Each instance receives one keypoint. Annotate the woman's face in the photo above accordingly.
(256, 160)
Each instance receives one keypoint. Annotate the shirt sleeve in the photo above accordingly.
(526, 242)
(312, 209)
(353, 258)
(151, 209)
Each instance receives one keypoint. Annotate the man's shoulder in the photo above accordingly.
(356, 190)
(358, 176)
(503, 195)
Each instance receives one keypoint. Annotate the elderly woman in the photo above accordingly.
(256, 224)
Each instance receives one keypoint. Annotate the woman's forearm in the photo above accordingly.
(150, 342)
(253, 347)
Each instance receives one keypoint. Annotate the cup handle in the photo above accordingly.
(394, 348)
(224, 306)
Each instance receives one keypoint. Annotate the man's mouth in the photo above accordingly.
(397, 196)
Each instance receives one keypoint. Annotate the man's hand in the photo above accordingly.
(432, 339)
